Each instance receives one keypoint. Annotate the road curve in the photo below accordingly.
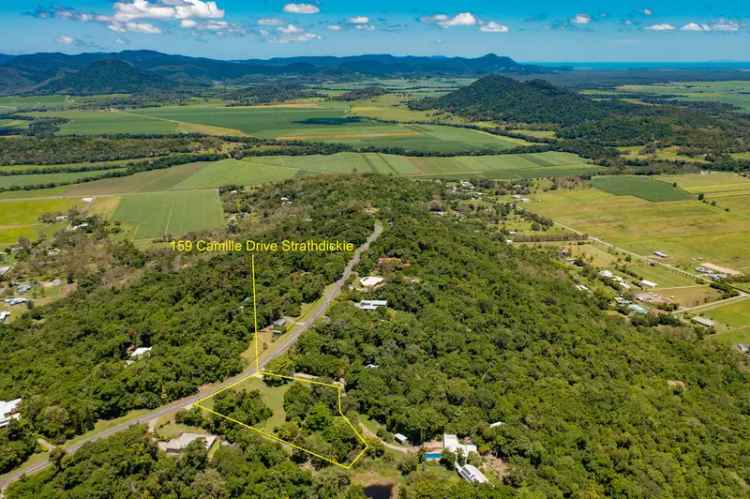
(331, 293)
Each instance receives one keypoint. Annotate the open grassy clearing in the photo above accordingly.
(646, 188)
(606, 258)
(266, 122)
(8, 181)
(506, 166)
(273, 397)
(230, 171)
(736, 93)
(103, 164)
(155, 214)
(21, 218)
(389, 107)
(691, 232)
(109, 122)
(734, 322)
(691, 296)
(15, 102)
(663, 154)
(153, 181)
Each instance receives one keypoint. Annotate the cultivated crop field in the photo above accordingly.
(9, 181)
(110, 122)
(690, 231)
(642, 187)
(20, 218)
(736, 93)
(156, 214)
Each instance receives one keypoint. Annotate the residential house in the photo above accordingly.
(371, 282)
(661, 254)
(704, 322)
(372, 304)
(451, 443)
(4, 270)
(140, 352)
(647, 284)
(4, 314)
(372, 366)
(177, 445)
(497, 424)
(279, 326)
(23, 287)
(637, 309)
(743, 347)
(606, 274)
(471, 473)
(16, 301)
(9, 411)
(400, 438)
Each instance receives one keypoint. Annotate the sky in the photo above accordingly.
(528, 31)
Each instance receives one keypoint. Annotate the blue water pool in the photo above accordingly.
(432, 456)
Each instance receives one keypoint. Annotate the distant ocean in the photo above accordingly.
(625, 66)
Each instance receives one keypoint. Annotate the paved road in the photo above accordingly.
(331, 293)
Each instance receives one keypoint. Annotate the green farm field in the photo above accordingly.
(152, 215)
(103, 165)
(736, 93)
(20, 218)
(734, 320)
(110, 122)
(642, 187)
(10, 181)
(691, 232)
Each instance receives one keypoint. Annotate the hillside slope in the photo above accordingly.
(504, 99)
(106, 77)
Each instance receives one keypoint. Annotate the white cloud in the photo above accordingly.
(648, 12)
(726, 25)
(493, 27)
(147, 28)
(696, 27)
(188, 23)
(722, 25)
(445, 21)
(334, 27)
(581, 19)
(65, 40)
(270, 21)
(301, 8)
(290, 33)
(166, 9)
(661, 27)
(359, 20)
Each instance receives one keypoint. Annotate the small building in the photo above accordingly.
(451, 443)
(661, 254)
(400, 438)
(4, 314)
(140, 352)
(704, 322)
(647, 284)
(371, 282)
(582, 288)
(4, 270)
(280, 326)
(372, 366)
(622, 301)
(471, 474)
(177, 445)
(372, 304)
(497, 424)
(743, 348)
(9, 411)
(16, 301)
(637, 309)
(606, 274)
(23, 287)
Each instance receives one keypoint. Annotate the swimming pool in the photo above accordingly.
(432, 456)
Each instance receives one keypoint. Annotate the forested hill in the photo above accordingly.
(476, 332)
(499, 98)
(106, 77)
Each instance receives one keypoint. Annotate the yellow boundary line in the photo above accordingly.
(260, 372)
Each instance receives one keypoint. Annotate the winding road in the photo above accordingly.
(329, 296)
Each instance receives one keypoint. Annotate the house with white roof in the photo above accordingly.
(648, 284)
(4, 314)
(451, 443)
(471, 474)
(9, 411)
(372, 304)
(177, 445)
(140, 352)
(401, 438)
(371, 282)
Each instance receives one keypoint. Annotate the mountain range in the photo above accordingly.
(33, 72)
